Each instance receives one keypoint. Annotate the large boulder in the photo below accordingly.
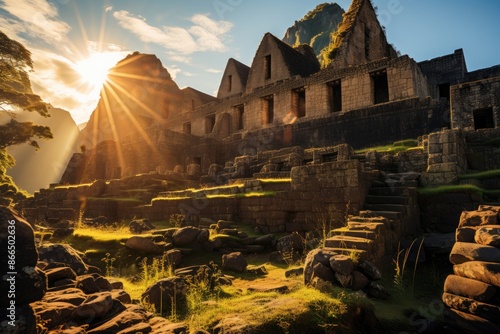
(63, 253)
(96, 306)
(319, 255)
(185, 236)
(164, 292)
(143, 245)
(234, 262)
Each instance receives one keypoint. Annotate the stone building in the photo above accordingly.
(367, 94)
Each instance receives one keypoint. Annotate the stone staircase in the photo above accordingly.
(390, 213)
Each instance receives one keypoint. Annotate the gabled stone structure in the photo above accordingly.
(234, 79)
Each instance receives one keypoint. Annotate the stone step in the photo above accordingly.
(389, 214)
(371, 199)
(371, 227)
(339, 241)
(385, 207)
(356, 253)
(354, 233)
(388, 191)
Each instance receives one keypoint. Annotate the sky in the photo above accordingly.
(74, 42)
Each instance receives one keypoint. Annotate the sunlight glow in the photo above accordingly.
(94, 69)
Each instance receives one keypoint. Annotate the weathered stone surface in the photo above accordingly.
(489, 236)
(469, 288)
(140, 226)
(29, 279)
(162, 293)
(478, 218)
(343, 280)
(468, 323)
(342, 264)
(122, 321)
(294, 272)
(321, 285)
(142, 327)
(371, 271)
(266, 240)
(465, 234)
(359, 281)
(87, 284)
(463, 252)
(323, 272)
(290, 243)
(102, 283)
(53, 314)
(185, 236)
(234, 262)
(96, 306)
(174, 257)
(143, 245)
(203, 236)
(72, 296)
(486, 272)
(468, 305)
(57, 274)
(63, 253)
(164, 326)
(318, 255)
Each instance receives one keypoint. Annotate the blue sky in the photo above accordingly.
(195, 38)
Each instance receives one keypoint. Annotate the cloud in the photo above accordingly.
(36, 18)
(179, 58)
(204, 35)
(173, 70)
(108, 8)
(213, 70)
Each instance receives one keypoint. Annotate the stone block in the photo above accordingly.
(467, 305)
(478, 218)
(486, 272)
(463, 252)
(465, 234)
(489, 236)
(469, 288)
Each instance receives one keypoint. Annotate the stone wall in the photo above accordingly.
(447, 159)
(476, 105)
(470, 295)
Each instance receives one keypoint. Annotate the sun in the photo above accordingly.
(93, 70)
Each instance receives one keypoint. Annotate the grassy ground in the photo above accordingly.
(398, 146)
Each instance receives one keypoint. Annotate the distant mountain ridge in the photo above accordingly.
(316, 27)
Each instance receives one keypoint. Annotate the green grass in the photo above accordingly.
(461, 188)
(275, 180)
(398, 146)
(481, 175)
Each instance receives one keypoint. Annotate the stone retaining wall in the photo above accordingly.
(471, 293)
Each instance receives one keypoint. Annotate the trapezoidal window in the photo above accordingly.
(229, 83)
(267, 67)
(483, 118)
(299, 102)
(444, 91)
(335, 94)
(268, 110)
(240, 117)
(380, 87)
(209, 123)
(186, 128)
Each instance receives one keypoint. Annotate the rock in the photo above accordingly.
(28, 279)
(469, 288)
(234, 262)
(185, 236)
(26, 253)
(323, 272)
(140, 226)
(265, 240)
(478, 218)
(222, 224)
(242, 235)
(290, 243)
(294, 272)
(319, 255)
(192, 270)
(141, 327)
(96, 306)
(87, 284)
(467, 305)
(71, 296)
(254, 248)
(468, 323)
(321, 285)
(24, 323)
(276, 258)
(343, 280)
(371, 271)
(62, 232)
(97, 189)
(465, 234)
(259, 270)
(229, 231)
(143, 245)
(377, 291)
(204, 236)
(463, 252)
(489, 236)
(342, 264)
(98, 221)
(359, 281)
(162, 293)
(486, 272)
(173, 258)
(53, 314)
(122, 321)
(122, 296)
(63, 253)
(57, 274)
(164, 326)
(116, 285)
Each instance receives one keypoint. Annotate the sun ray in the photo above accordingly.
(114, 130)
